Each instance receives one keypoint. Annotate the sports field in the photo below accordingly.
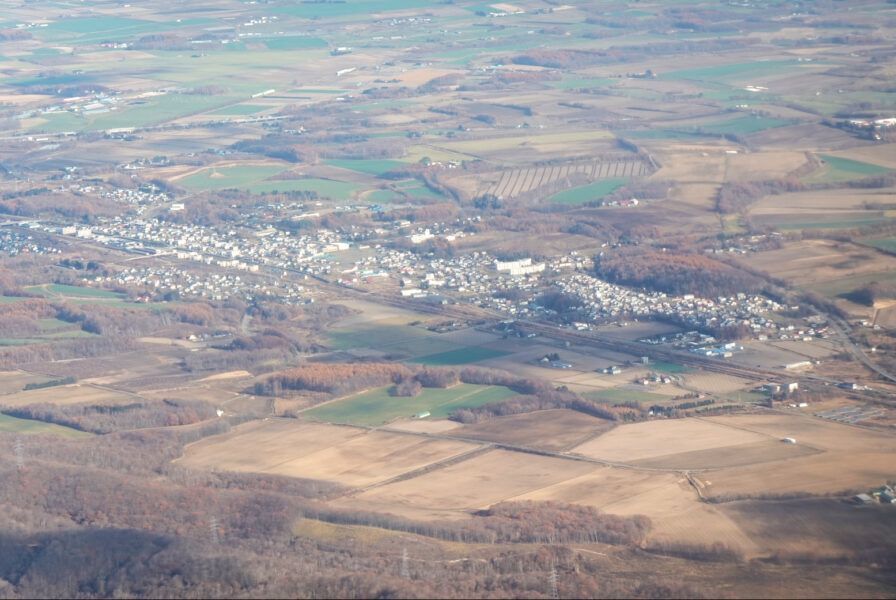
(378, 406)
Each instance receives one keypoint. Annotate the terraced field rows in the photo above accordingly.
(514, 182)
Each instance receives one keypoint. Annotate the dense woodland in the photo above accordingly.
(674, 273)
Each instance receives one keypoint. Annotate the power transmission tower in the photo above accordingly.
(20, 455)
(405, 572)
(553, 580)
(213, 530)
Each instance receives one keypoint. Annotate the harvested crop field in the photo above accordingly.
(819, 474)
(852, 458)
(822, 527)
(13, 381)
(667, 498)
(655, 439)
(728, 456)
(554, 430)
(66, 394)
(347, 455)
(715, 383)
(474, 484)
(811, 262)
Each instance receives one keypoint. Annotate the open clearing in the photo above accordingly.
(347, 455)
(554, 430)
(378, 406)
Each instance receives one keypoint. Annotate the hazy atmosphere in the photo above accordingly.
(435, 298)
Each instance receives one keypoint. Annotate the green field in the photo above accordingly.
(56, 289)
(460, 356)
(140, 113)
(392, 336)
(618, 396)
(323, 10)
(241, 109)
(659, 134)
(229, 177)
(841, 169)
(666, 367)
(337, 190)
(888, 244)
(744, 125)
(10, 424)
(291, 42)
(586, 193)
(576, 83)
(371, 167)
(376, 407)
(729, 71)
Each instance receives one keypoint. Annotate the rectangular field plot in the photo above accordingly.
(15, 381)
(625, 395)
(228, 177)
(654, 439)
(667, 499)
(473, 484)
(461, 356)
(378, 406)
(66, 394)
(825, 525)
(10, 424)
(371, 167)
(836, 168)
(728, 456)
(554, 430)
(390, 335)
(56, 290)
(344, 455)
(593, 191)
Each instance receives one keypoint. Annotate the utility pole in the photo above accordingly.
(213, 530)
(405, 572)
(20, 455)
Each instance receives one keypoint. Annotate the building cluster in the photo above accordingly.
(358, 257)
(883, 495)
(602, 300)
(175, 282)
(14, 242)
